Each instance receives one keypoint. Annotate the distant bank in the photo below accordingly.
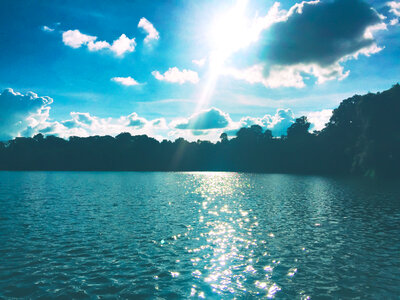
(361, 138)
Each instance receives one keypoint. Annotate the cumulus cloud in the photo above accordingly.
(84, 124)
(311, 38)
(280, 122)
(128, 81)
(27, 115)
(303, 37)
(47, 28)
(122, 45)
(136, 122)
(152, 33)
(318, 119)
(277, 123)
(76, 39)
(210, 123)
(17, 112)
(283, 119)
(212, 118)
(96, 46)
(82, 119)
(159, 124)
(206, 124)
(174, 75)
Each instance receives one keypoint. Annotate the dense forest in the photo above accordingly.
(361, 138)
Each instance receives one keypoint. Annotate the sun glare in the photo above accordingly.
(230, 32)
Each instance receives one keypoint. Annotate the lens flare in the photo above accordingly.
(230, 32)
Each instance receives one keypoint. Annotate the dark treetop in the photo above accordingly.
(362, 138)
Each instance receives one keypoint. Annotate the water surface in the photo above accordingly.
(201, 235)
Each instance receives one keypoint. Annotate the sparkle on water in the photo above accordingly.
(201, 235)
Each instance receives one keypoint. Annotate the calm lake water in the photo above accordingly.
(201, 235)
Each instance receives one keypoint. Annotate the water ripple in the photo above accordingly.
(200, 235)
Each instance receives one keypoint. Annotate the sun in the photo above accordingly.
(230, 31)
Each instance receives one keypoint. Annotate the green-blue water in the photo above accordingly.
(207, 235)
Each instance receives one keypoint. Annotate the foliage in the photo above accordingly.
(362, 137)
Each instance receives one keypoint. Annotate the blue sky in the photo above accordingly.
(188, 68)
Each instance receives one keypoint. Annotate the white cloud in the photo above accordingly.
(318, 119)
(205, 125)
(280, 122)
(395, 10)
(283, 119)
(160, 123)
(323, 74)
(275, 75)
(84, 124)
(367, 51)
(152, 33)
(83, 119)
(394, 7)
(122, 45)
(199, 62)
(210, 123)
(277, 15)
(298, 7)
(277, 123)
(27, 115)
(212, 118)
(17, 112)
(369, 31)
(136, 122)
(291, 60)
(234, 32)
(274, 15)
(176, 76)
(47, 29)
(287, 76)
(76, 39)
(128, 81)
(211, 135)
(96, 46)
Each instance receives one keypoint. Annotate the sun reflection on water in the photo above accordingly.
(226, 256)
(197, 235)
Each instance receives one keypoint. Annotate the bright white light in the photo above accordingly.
(231, 31)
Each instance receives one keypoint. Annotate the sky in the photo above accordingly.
(191, 69)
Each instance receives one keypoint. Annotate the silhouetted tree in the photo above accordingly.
(268, 135)
(299, 129)
(362, 137)
(223, 137)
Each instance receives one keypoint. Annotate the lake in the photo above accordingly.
(202, 235)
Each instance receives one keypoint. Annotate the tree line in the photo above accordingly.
(362, 137)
